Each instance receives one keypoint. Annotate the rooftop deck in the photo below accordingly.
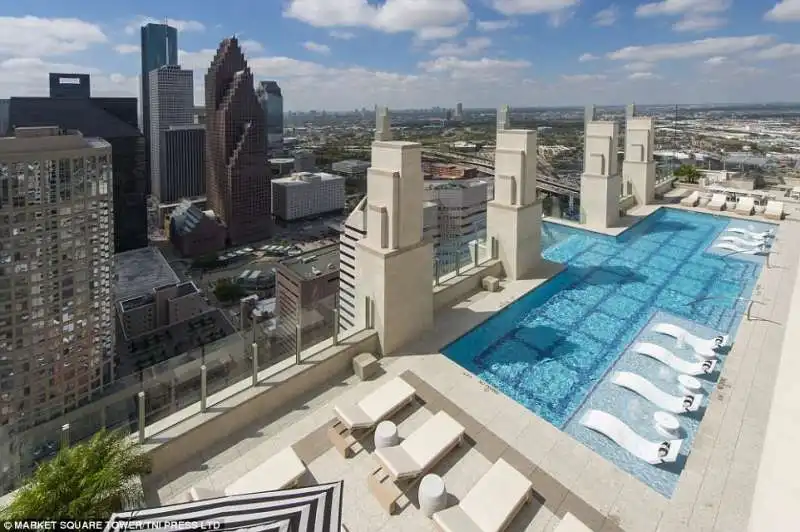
(716, 491)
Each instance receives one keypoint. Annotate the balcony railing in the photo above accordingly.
(471, 255)
(143, 399)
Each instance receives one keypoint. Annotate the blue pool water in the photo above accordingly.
(554, 350)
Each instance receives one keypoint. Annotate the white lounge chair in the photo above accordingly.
(745, 205)
(624, 436)
(668, 358)
(691, 200)
(491, 504)
(199, 494)
(706, 348)
(422, 449)
(657, 396)
(282, 471)
(774, 210)
(718, 202)
(741, 250)
(742, 242)
(377, 406)
(751, 234)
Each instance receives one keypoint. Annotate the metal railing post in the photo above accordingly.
(436, 272)
(475, 258)
(141, 416)
(297, 345)
(65, 435)
(336, 326)
(254, 348)
(203, 387)
(495, 251)
(458, 263)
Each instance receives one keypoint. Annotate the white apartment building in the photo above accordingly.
(307, 194)
(355, 229)
(56, 253)
(461, 218)
(171, 104)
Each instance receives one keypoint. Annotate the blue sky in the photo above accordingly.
(345, 54)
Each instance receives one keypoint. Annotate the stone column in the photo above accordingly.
(514, 217)
(639, 167)
(394, 265)
(600, 182)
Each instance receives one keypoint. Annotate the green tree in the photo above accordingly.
(206, 262)
(227, 291)
(688, 173)
(87, 481)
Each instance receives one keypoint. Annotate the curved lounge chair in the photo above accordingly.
(718, 202)
(691, 200)
(742, 242)
(666, 357)
(751, 234)
(727, 246)
(657, 396)
(706, 348)
(624, 436)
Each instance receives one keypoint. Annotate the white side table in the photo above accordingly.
(690, 384)
(386, 435)
(432, 495)
(667, 425)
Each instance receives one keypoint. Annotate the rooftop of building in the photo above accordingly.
(48, 138)
(172, 340)
(353, 163)
(314, 263)
(306, 178)
(86, 115)
(140, 271)
(282, 160)
(182, 290)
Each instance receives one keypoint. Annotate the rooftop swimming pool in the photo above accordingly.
(557, 349)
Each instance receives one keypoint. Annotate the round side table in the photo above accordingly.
(386, 435)
(432, 495)
(667, 425)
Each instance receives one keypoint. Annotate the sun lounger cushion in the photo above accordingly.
(491, 504)
(376, 406)
(281, 471)
(422, 448)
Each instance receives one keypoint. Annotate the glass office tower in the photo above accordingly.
(271, 101)
(159, 48)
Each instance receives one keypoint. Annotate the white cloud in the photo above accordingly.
(686, 50)
(784, 11)
(494, 25)
(697, 15)
(607, 16)
(699, 22)
(579, 78)
(484, 68)
(317, 48)
(250, 46)
(558, 11)
(435, 33)
(639, 66)
(779, 51)
(133, 27)
(471, 46)
(643, 75)
(127, 48)
(716, 60)
(199, 60)
(29, 77)
(393, 16)
(342, 35)
(587, 57)
(38, 37)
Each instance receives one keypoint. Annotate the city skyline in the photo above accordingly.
(414, 55)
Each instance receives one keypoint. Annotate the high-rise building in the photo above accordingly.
(237, 175)
(171, 104)
(159, 47)
(182, 166)
(459, 115)
(112, 119)
(271, 100)
(56, 255)
(69, 86)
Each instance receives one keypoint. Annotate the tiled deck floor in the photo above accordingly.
(714, 492)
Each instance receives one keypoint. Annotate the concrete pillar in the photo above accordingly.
(600, 182)
(514, 217)
(383, 128)
(639, 167)
(394, 265)
(589, 114)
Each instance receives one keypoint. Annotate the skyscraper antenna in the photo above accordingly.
(166, 40)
